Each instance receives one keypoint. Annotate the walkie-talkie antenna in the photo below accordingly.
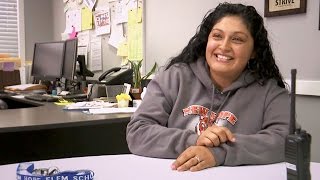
(293, 102)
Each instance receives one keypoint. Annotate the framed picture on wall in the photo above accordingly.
(284, 7)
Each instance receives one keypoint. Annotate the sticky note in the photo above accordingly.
(8, 66)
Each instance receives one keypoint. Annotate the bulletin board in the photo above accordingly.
(109, 32)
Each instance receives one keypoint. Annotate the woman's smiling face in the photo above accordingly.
(230, 46)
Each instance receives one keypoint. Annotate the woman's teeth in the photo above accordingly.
(223, 58)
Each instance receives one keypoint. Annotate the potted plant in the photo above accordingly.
(138, 78)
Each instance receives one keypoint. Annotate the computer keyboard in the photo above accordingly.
(74, 96)
(39, 97)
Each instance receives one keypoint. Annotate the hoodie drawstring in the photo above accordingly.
(221, 106)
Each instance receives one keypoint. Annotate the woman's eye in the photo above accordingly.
(217, 36)
(237, 39)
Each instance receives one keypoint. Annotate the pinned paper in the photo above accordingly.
(73, 34)
(73, 19)
(135, 16)
(86, 19)
(102, 21)
(116, 35)
(122, 8)
(121, 12)
(90, 3)
(135, 49)
(139, 15)
(132, 4)
(123, 52)
(83, 38)
(123, 49)
(95, 61)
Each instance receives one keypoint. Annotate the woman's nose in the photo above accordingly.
(225, 45)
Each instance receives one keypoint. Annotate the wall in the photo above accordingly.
(38, 23)
(58, 26)
(307, 116)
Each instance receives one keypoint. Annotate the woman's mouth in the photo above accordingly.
(223, 58)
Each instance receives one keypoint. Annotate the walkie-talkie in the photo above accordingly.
(297, 147)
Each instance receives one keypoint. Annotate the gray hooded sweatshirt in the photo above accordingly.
(182, 101)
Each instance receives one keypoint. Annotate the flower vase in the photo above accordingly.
(123, 103)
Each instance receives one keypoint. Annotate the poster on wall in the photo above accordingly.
(102, 20)
(287, 7)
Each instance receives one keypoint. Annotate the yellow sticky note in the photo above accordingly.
(122, 49)
(139, 15)
(135, 15)
(135, 37)
(63, 102)
(131, 16)
(86, 19)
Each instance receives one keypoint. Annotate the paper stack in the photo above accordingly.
(26, 88)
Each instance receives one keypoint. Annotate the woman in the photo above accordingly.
(222, 101)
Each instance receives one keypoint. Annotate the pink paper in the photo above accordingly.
(8, 66)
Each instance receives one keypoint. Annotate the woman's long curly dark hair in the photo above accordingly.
(263, 66)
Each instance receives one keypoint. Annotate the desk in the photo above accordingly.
(129, 167)
(49, 132)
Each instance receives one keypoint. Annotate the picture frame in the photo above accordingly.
(284, 7)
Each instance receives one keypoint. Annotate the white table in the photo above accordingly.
(132, 167)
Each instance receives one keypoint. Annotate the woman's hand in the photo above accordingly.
(214, 136)
(194, 158)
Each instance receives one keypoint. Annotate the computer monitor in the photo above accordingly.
(70, 59)
(48, 60)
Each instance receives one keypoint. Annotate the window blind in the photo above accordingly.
(9, 27)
